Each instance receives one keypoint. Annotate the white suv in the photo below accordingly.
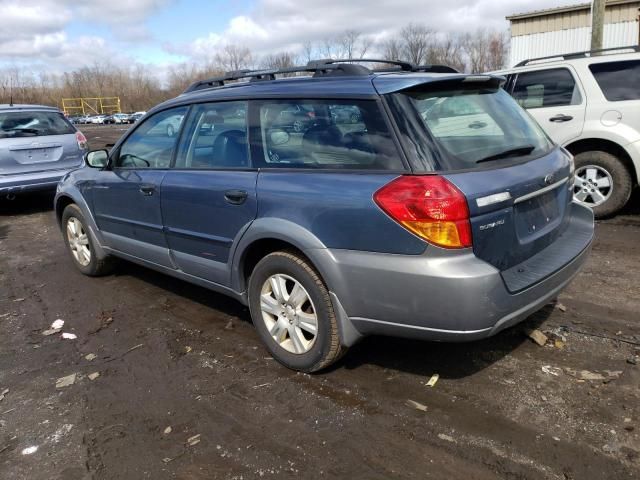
(589, 103)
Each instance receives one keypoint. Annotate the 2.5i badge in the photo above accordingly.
(492, 224)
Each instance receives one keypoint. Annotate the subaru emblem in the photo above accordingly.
(548, 180)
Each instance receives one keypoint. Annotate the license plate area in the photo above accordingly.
(38, 155)
(537, 216)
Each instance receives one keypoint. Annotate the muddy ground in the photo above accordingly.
(170, 354)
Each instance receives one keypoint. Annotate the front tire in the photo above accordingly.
(81, 244)
(292, 312)
(602, 183)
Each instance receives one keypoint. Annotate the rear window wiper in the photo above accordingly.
(512, 152)
(24, 130)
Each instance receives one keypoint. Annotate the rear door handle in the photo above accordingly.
(561, 118)
(147, 190)
(235, 197)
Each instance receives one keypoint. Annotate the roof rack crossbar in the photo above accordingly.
(435, 68)
(586, 53)
(404, 66)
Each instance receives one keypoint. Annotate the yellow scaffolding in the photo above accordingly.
(91, 105)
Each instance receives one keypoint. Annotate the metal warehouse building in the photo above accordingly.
(568, 29)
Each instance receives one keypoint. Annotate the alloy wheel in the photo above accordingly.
(288, 313)
(592, 186)
(78, 241)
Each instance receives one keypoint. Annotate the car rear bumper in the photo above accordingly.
(31, 182)
(448, 295)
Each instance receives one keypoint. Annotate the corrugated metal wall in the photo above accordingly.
(565, 18)
(570, 40)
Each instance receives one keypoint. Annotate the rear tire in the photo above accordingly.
(608, 169)
(283, 322)
(81, 244)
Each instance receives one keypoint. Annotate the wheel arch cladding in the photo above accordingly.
(264, 236)
(62, 202)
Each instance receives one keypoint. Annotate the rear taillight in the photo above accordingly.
(429, 206)
(82, 141)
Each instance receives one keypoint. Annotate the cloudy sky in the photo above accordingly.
(60, 35)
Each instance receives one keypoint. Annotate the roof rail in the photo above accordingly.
(318, 68)
(324, 67)
(587, 53)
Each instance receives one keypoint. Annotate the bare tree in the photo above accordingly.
(447, 50)
(485, 50)
(417, 40)
(352, 44)
(279, 60)
(234, 57)
(392, 49)
(308, 51)
(498, 51)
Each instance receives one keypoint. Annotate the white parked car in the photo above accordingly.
(98, 119)
(589, 103)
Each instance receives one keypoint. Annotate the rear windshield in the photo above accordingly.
(618, 80)
(33, 124)
(460, 126)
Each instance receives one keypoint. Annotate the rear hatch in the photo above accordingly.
(519, 210)
(516, 182)
(36, 141)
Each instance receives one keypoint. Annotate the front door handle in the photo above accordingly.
(235, 197)
(561, 118)
(147, 190)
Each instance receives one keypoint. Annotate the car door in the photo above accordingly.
(126, 195)
(209, 196)
(554, 98)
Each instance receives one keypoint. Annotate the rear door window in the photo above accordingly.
(618, 80)
(215, 137)
(326, 134)
(546, 88)
(33, 124)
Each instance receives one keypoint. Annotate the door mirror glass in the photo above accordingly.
(97, 158)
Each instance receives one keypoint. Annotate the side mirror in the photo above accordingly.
(97, 158)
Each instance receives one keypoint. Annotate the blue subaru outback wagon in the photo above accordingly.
(440, 210)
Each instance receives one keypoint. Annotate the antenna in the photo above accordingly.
(10, 91)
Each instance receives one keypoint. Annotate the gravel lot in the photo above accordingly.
(185, 389)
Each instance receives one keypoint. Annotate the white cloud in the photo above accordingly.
(115, 12)
(275, 25)
(35, 31)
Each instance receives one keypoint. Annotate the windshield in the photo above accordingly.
(467, 125)
(33, 124)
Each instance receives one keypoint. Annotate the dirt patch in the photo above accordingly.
(502, 408)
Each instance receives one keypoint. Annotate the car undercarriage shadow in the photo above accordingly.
(208, 298)
(27, 203)
(449, 360)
